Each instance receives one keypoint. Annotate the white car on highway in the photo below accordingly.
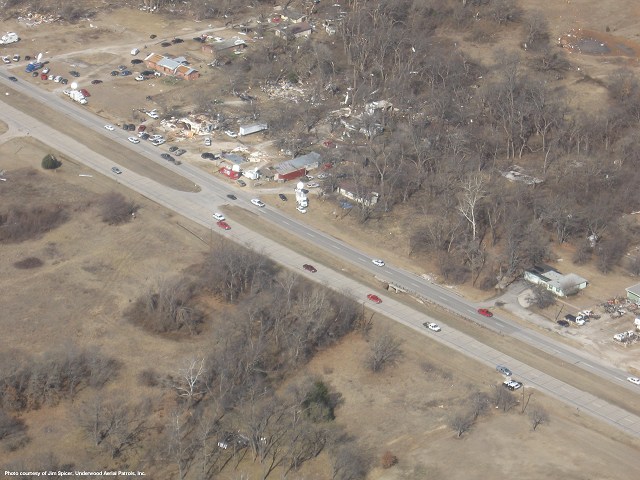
(218, 216)
(257, 202)
(133, 140)
(432, 326)
(377, 262)
(634, 380)
(111, 128)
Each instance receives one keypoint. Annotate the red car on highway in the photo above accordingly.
(485, 312)
(374, 298)
(224, 225)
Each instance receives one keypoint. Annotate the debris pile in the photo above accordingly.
(35, 19)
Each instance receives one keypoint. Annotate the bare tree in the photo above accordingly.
(469, 201)
(385, 352)
(538, 415)
(190, 381)
(461, 422)
(541, 297)
(478, 404)
(504, 399)
(113, 423)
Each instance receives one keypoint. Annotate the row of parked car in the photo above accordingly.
(8, 59)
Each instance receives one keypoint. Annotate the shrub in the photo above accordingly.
(19, 225)
(116, 209)
(388, 459)
(50, 162)
(169, 307)
(29, 262)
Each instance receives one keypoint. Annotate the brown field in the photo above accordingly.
(92, 271)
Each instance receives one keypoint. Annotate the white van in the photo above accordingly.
(135, 51)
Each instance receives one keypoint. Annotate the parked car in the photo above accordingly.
(207, 142)
(96, 82)
(85, 92)
(64, 81)
(114, 73)
(111, 128)
(313, 185)
(142, 128)
(136, 61)
(116, 170)
(122, 67)
(257, 202)
(143, 136)
(16, 58)
(309, 268)
(231, 134)
(485, 312)
(165, 44)
(180, 151)
(224, 225)
(166, 156)
(282, 197)
(207, 156)
(42, 76)
(125, 73)
(241, 182)
(377, 262)
(133, 140)
(374, 298)
(218, 216)
(301, 209)
(503, 370)
(6, 59)
(512, 384)
(432, 326)
(45, 70)
(74, 74)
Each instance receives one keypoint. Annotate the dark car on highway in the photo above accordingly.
(232, 197)
(563, 323)
(13, 79)
(309, 268)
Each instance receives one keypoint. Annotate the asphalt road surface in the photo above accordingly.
(199, 206)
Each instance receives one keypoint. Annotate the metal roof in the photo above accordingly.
(309, 160)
